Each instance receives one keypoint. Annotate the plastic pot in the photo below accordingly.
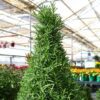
(92, 78)
(98, 78)
(84, 77)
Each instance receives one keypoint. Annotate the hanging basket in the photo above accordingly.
(13, 44)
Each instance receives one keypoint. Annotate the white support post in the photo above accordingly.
(30, 39)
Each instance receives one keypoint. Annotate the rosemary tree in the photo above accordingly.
(49, 76)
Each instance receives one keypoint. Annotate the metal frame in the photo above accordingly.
(31, 7)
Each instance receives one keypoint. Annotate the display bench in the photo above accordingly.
(89, 75)
(94, 86)
(89, 83)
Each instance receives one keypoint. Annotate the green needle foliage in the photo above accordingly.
(98, 95)
(49, 76)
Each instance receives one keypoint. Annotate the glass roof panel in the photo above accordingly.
(96, 5)
(4, 24)
(17, 39)
(81, 21)
(98, 33)
(89, 20)
(74, 23)
(37, 1)
(97, 43)
(96, 24)
(62, 10)
(87, 13)
(96, 30)
(92, 38)
(72, 4)
(86, 33)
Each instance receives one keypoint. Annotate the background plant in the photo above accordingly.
(9, 83)
(49, 76)
(98, 95)
(96, 58)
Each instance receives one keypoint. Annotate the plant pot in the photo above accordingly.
(75, 77)
(98, 78)
(84, 77)
(92, 78)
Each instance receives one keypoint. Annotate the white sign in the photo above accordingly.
(89, 64)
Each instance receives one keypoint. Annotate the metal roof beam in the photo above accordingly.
(80, 19)
(79, 38)
(80, 10)
(21, 4)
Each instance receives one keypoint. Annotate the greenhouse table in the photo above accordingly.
(89, 83)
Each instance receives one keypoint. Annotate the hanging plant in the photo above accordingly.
(0, 45)
(4, 45)
(7, 45)
(12, 44)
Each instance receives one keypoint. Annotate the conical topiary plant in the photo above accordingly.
(49, 76)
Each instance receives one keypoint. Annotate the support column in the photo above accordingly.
(72, 47)
(30, 39)
(81, 55)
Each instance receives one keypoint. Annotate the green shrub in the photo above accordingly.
(9, 83)
(98, 95)
(87, 93)
(49, 76)
(97, 65)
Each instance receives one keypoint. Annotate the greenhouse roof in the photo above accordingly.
(81, 20)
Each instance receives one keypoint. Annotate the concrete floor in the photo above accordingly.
(93, 96)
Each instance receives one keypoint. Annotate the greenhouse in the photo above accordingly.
(49, 50)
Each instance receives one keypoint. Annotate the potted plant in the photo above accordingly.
(83, 76)
(75, 76)
(92, 76)
(98, 78)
